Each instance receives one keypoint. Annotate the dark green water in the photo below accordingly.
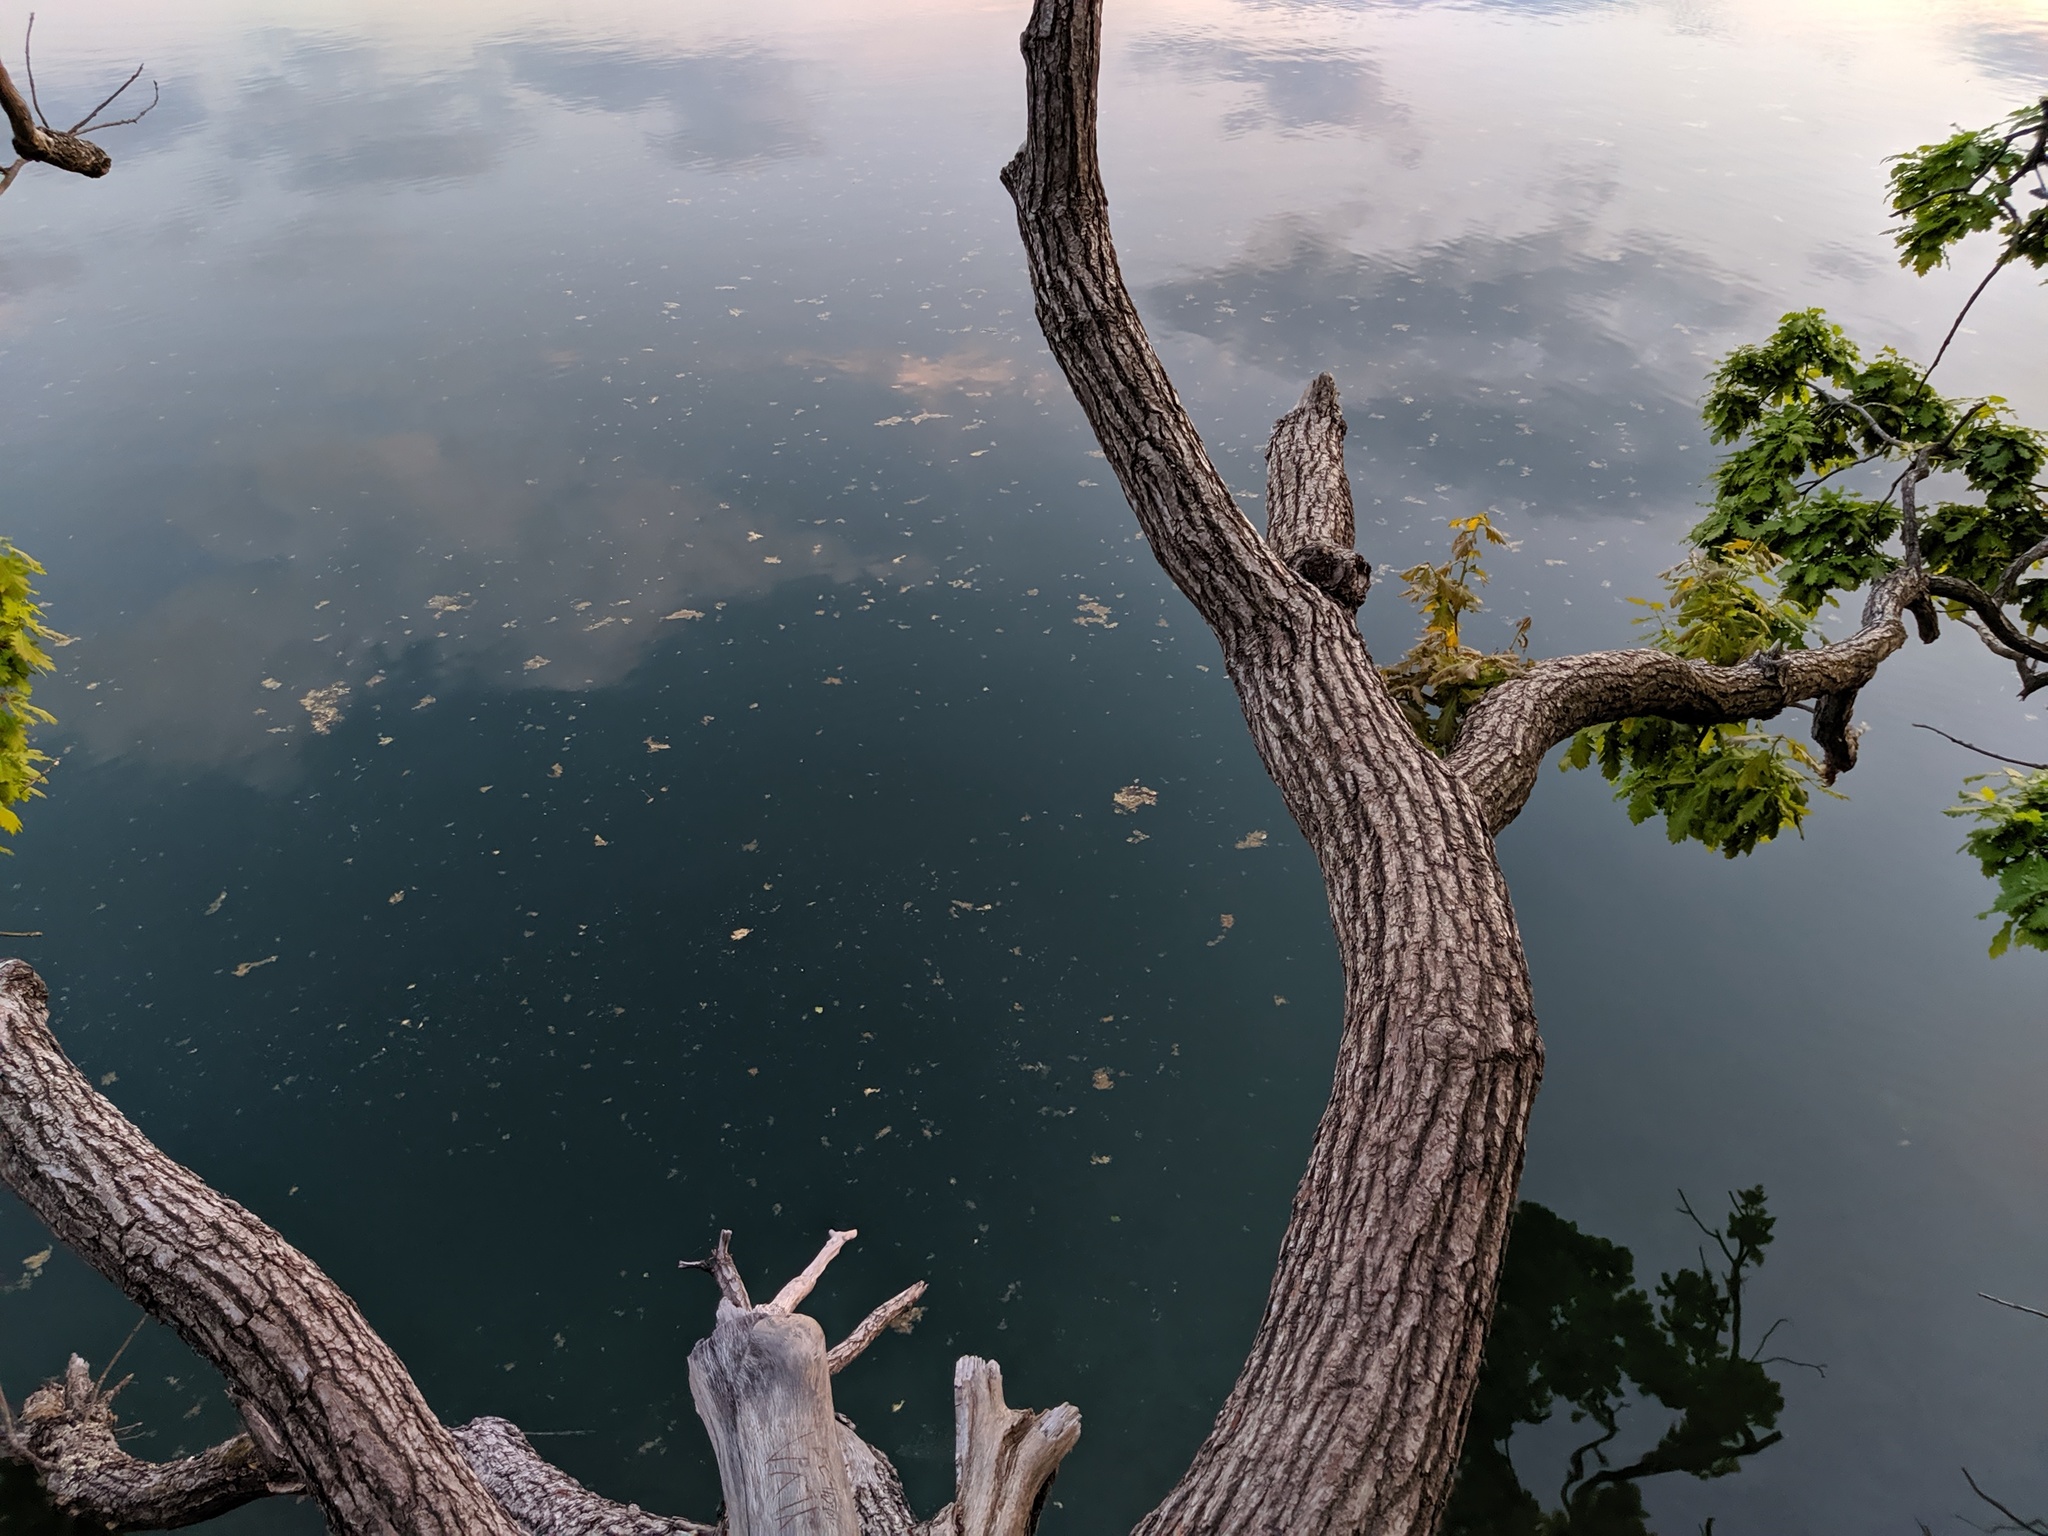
(438, 354)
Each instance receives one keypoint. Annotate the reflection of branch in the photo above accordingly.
(1996, 268)
(2016, 1306)
(35, 139)
(2017, 762)
(2019, 1523)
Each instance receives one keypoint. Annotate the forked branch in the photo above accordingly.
(35, 141)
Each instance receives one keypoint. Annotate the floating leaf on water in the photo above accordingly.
(324, 705)
(272, 684)
(423, 703)
(1102, 1079)
(249, 965)
(396, 897)
(741, 933)
(834, 682)
(1098, 1158)
(656, 746)
(597, 840)
(683, 613)
(444, 604)
(108, 1079)
(217, 903)
(1133, 798)
(533, 663)
(1255, 839)
(1093, 612)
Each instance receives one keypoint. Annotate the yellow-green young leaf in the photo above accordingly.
(21, 658)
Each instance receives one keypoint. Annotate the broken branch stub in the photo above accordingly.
(1004, 1458)
(1309, 518)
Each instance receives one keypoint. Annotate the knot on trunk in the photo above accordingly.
(1342, 574)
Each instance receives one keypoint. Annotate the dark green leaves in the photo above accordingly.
(2010, 844)
(1968, 184)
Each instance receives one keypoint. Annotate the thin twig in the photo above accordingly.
(2016, 1306)
(155, 95)
(2020, 1523)
(2017, 762)
(1997, 267)
(79, 127)
(109, 1369)
(29, 64)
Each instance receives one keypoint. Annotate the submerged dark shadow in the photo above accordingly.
(1573, 1329)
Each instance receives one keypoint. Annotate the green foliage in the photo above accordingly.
(1441, 677)
(21, 657)
(1730, 787)
(2010, 844)
(1573, 1328)
(1966, 185)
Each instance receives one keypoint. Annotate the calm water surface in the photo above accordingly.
(604, 655)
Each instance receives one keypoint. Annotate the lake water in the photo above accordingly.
(603, 656)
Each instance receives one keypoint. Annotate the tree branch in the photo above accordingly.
(1505, 738)
(66, 1432)
(1199, 535)
(32, 141)
(318, 1389)
(545, 1500)
(851, 1348)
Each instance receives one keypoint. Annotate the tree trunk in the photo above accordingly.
(1350, 1410)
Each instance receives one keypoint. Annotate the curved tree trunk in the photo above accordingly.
(1350, 1410)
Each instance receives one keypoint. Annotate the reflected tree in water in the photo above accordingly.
(1574, 1330)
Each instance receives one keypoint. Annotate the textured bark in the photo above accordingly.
(1350, 1408)
(32, 141)
(545, 1500)
(318, 1389)
(1004, 1458)
(1502, 743)
(66, 1432)
(1309, 520)
(765, 1396)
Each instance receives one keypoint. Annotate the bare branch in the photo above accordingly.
(791, 1295)
(28, 63)
(318, 1389)
(1987, 608)
(1505, 738)
(80, 125)
(66, 1432)
(850, 1348)
(722, 1269)
(2017, 762)
(2019, 1522)
(1962, 314)
(2000, 1300)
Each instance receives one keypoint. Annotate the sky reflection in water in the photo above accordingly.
(636, 437)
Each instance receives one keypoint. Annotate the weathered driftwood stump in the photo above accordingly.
(331, 1412)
